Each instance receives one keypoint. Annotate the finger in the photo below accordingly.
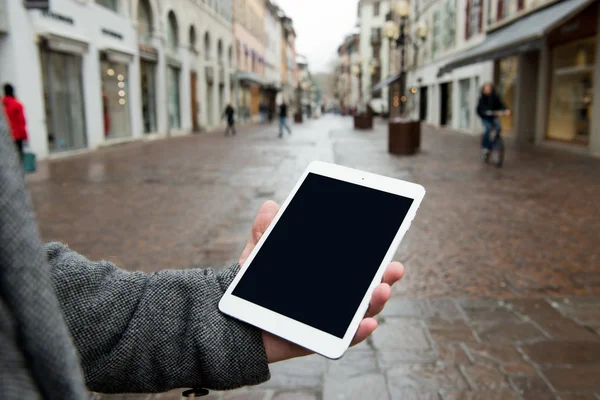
(380, 296)
(262, 221)
(393, 273)
(365, 329)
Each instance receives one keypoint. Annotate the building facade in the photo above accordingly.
(273, 55)
(348, 82)
(98, 72)
(540, 54)
(250, 39)
(289, 69)
(376, 52)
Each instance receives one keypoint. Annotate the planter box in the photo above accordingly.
(298, 118)
(404, 137)
(363, 121)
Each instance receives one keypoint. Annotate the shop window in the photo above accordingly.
(506, 81)
(115, 99)
(173, 98)
(571, 91)
(110, 4)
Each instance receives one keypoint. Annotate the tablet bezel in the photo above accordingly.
(297, 332)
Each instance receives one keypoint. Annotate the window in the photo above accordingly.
(437, 31)
(207, 46)
(450, 24)
(192, 38)
(376, 9)
(474, 18)
(220, 52)
(110, 4)
(172, 33)
(144, 21)
(508, 8)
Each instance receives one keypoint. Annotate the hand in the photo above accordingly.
(279, 349)
(507, 112)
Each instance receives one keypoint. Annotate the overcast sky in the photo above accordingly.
(320, 34)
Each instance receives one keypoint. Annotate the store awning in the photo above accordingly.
(386, 82)
(523, 35)
(249, 77)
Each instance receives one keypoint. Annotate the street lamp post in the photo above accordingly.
(397, 33)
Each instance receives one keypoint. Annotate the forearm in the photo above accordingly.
(150, 333)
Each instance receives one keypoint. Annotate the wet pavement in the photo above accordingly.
(501, 298)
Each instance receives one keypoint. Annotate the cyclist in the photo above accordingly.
(489, 108)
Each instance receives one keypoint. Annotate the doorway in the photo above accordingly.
(194, 105)
(423, 104)
(446, 104)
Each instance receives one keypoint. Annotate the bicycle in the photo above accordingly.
(496, 154)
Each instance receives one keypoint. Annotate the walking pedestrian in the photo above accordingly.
(229, 114)
(283, 116)
(16, 118)
(67, 323)
(262, 109)
(489, 107)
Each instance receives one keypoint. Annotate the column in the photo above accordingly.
(595, 123)
(92, 95)
(543, 95)
(455, 104)
(525, 104)
(215, 94)
(162, 110)
(185, 95)
(135, 98)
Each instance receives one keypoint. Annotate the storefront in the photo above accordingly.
(61, 61)
(573, 62)
(545, 72)
(148, 63)
(114, 73)
(173, 94)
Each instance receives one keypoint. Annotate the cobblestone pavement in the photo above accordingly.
(501, 298)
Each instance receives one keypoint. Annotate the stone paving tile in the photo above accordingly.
(498, 395)
(494, 354)
(485, 377)
(553, 352)
(574, 378)
(295, 396)
(452, 354)
(507, 332)
(399, 335)
(372, 386)
(421, 309)
(390, 358)
(518, 369)
(299, 373)
(354, 363)
(577, 396)
(426, 377)
(414, 395)
(532, 387)
(444, 331)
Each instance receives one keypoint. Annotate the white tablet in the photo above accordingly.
(309, 279)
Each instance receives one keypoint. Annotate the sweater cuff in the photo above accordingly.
(251, 366)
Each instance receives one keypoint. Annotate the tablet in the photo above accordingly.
(310, 277)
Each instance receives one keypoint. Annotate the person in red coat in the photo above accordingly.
(16, 117)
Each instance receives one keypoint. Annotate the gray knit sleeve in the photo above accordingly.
(149, 333)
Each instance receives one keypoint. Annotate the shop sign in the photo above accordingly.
(37, 4)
